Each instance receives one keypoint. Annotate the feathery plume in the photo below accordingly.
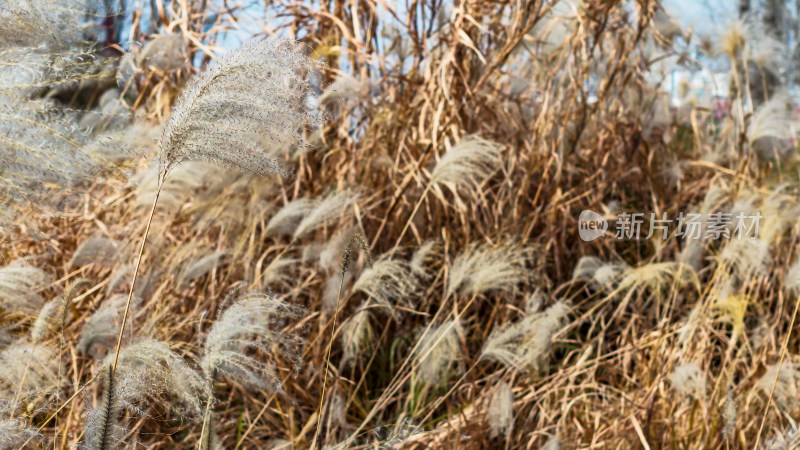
(14, 433)
(29, 23)
(346, 89)
(52, 313)
(251, 323)
(120, 281)
(329, 208)
(439, 350)
(29, 370)
(466, 166)
(201, 267)
(421, 258)
(501, 410)
(689, 381)
(147, 372)
(748, 257)
(102, 329)
(526, 343)
(99, 251)
(771, 120)
(330, 255)
(387, 281)
(357, 333)
(598, 273)
(787, 390)
(19, 284)
(658, 276)
(119, 278)
(330, 290)
(276, 273)
(482, 268)
(285, 221)
(252, 100)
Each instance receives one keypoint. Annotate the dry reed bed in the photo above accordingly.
(463, 152)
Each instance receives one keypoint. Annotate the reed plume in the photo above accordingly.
(525, 344)
(99, 251)
(234, 113)
(357, 333)
(442, 350)
(466, 166)
(689, 381)
(501, 410)
(102, 327)
(19, 286)
(285, 221)
(482, 267)
(29, 371)
(15, 432)
(462, 170)
(252, 324)
(148, 372)
(250, 100)
(325, 210)
(387, 281)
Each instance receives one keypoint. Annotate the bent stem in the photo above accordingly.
(327, 364)
(135, 272)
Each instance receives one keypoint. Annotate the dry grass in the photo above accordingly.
(462, 141)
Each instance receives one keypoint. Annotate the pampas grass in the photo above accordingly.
(30, 23)
(252, 324)
(439, 351)
(501, 410)
(464, 168)
(100, 331)
(357, 333)
(688, 380)
(389, 280)
(482, 267)
(786, 394)
(54, 311)
(325, 210)
(148, 372)
(98, 251)
(29, 371)
(525, 344)
(285, 221)
(19, 286)
(15, 434)
(201, 267)
(599, 274)
(222, 115)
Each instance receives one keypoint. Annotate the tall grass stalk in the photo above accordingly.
(784, 347)
(135, 273)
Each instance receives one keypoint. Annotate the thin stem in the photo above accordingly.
(136, 272)
(777, 373)
(411, 217)
(327, 363)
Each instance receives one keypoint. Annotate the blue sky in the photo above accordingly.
(700, 14)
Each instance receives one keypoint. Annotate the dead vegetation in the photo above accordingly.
(460, 143)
